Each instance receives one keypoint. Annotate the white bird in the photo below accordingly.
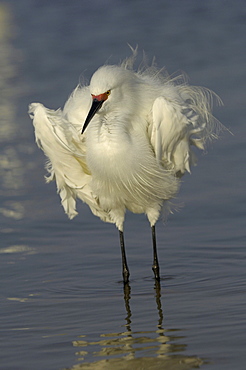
(138, 129)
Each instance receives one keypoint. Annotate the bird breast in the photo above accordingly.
(124, 169)
(108, 149)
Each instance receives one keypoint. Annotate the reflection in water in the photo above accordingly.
(12, 177)
(8, 72)
(123, 350)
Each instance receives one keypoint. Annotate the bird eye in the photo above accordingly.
(108, 92)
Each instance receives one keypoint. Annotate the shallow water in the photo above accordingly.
(63, 305)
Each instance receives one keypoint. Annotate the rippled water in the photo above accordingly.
(62, 303)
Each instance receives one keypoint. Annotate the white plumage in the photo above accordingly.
(136, 143)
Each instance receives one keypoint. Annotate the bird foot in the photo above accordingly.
(156, 271)
(126, 276)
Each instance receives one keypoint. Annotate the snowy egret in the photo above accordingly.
(124, 142)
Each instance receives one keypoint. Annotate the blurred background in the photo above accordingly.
(60, 278)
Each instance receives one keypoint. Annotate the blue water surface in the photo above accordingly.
(63, 305)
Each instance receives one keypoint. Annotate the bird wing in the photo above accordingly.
(66, 150)
(178, 123)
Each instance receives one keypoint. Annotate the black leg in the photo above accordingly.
(125, 270)
(155, 266)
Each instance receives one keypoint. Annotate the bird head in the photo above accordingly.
(97, 102)
(107, 88)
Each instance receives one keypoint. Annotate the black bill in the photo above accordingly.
(96, 105)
